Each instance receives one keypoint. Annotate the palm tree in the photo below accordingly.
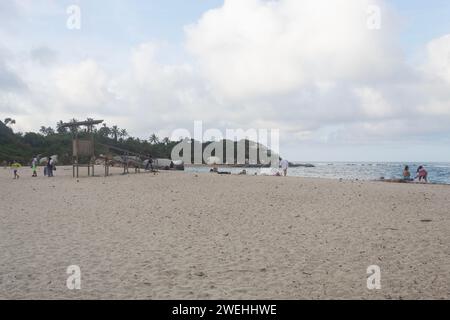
(59, 127)
(115, 131)
(90, 128)
(50, 131)
(123, 134)
(10, 121)
(74, 128)
(46, 131)
(154, 139)
(104, 131)
(166, 141)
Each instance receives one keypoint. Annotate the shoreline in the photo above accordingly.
(117, 171)
(397, 181)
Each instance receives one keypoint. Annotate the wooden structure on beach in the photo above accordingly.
(83, 147)
(127, 159)
(83, 151)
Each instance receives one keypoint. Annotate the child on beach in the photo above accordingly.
(34, 166)
(15, 166)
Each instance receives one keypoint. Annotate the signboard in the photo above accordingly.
(83, 148)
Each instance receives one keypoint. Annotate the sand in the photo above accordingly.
(186, 236)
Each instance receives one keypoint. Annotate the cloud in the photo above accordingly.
(43, 55)
(438, 66)
(317, 64)
(82, 86)
(253, 48)
(311, 68)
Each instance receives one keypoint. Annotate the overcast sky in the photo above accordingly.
(336, 86)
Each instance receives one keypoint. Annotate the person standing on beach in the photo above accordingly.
(284, 164)
(50, 167)
(15, 166)
(34, 166)
(149, 165)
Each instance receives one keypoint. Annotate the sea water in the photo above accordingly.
(437, 172)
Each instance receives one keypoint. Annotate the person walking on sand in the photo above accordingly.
(422, 174)
(34, 166)
(15, 166)
(284, 164)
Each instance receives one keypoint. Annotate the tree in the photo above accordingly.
(104, 131)
(166, 141)
(59, 127)
(47, 131)
(115, 131)
(10, 121)
(90, 128)
(123, 134)
(74, 128)
(154, 139)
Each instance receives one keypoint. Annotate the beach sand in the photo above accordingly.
(204, 236)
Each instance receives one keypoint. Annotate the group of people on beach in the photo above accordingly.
(421, 174)
(49, 168)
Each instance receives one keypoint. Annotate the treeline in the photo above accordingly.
(49, 141)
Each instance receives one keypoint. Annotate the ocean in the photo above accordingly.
(437, 172)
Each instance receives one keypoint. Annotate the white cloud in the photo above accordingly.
(439, 58)
(319, 66)
(83, 86)
(372, 103)
(311, 68)
(253, 48)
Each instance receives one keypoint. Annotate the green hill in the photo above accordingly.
(23, 147)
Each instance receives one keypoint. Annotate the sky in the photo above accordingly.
(343, 80)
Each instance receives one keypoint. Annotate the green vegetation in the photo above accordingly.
(23, 147)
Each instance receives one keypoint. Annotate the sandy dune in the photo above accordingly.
(187, 236)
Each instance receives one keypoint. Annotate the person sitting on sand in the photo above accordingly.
(406, 174)
(15, 166)
(422, 174)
